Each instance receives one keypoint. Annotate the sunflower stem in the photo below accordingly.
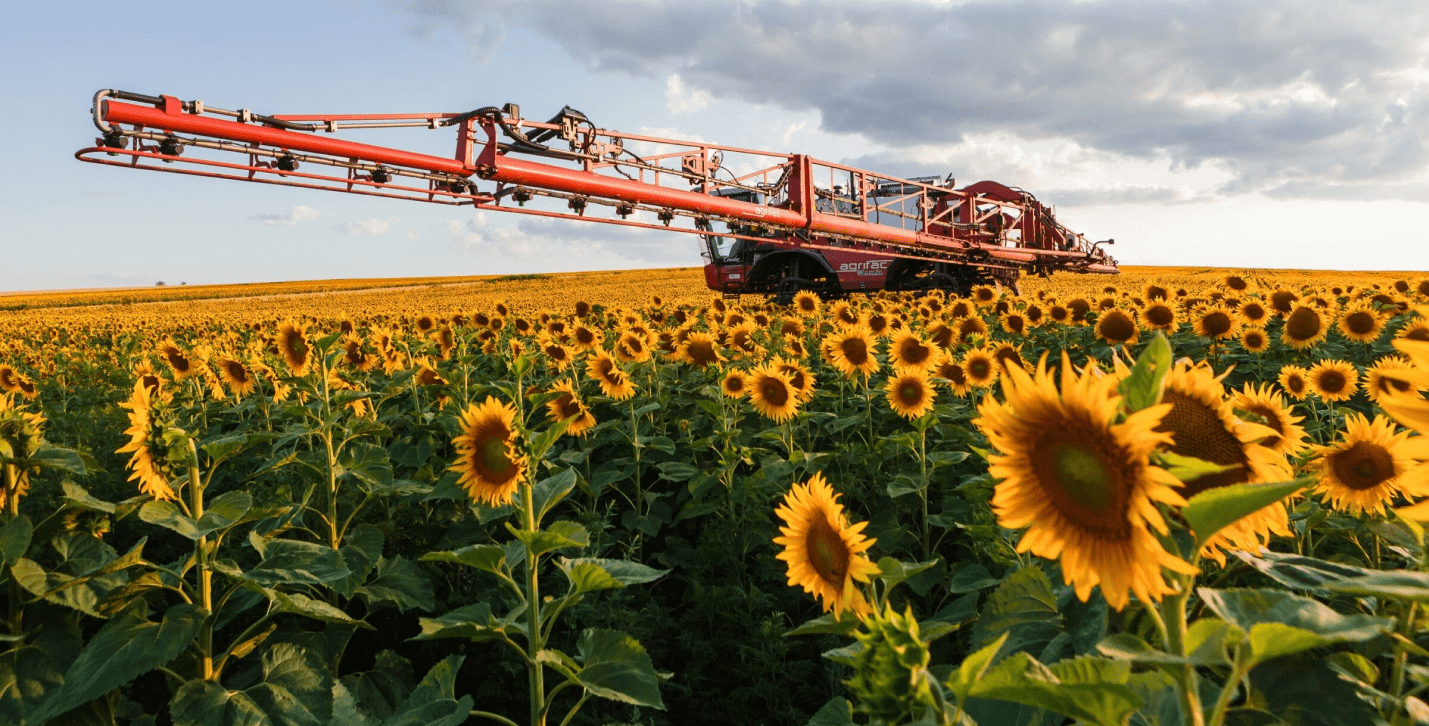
(12, 510)
(533, 615)
(205, 574)
(1406, 628)
(1173, 613)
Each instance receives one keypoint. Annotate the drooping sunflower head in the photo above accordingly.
(488, 462)
(427, 374)
(235, 375)
(293, 346)
(1081, 483)
(179, 361)
(1117, 327)
(1333, 380)
(908, 351)
(772, 393)
(734, 385)
(1366, 469)
(824, 553)
(910, 394)
(1295, 382)
(1304, 327)
(558, 356)
(151, 463)
(567, 405)
(607, 374)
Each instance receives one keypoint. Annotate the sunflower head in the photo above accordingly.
(1254, 339)
(235, 375)
(824, 553)
(909, 394)
(1295, 381)
(294, 347)
(1214, 321)
(1304, 327)
(734, 384)
(700, 350)
(152, 464)
(567, 405)
(1078, 475)
(805, 303)
(908, 351)
(1117, 327)
(1333, 380)
(607, 374)
(488, 462)
(980, 368)
(1365, 470)
(772, 393)
(1361, 322)
(951, 370)
(853, 351)
(179, 362)
(1263, 405)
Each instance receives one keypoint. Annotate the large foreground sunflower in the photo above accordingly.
(487, 461)
(1082, 483)
(825, 554)
(1365, 470)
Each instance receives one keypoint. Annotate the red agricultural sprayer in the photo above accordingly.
(791, 222)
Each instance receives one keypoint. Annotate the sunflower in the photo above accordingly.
(568, 406)
(1235, 282)
(1304, 327)
(179, 362)
(741, 340)
(558, 356)
(1006, 354)
(235, 375)
(908, 351)
(9, 378)
(355, 355)
(427, 374)
(1013, 323)
(425, 325)
(1214, 321)
(1252, 312)
(806, 303)
(150, 463)
(1254, 339)
(845, 313)
(583, 338)
(1394, 374)
(824, 553)
(1081, 482)
(606, 372)
(1117, 327)
(1333, 380)
(293, 345)
(1365, 470)
(1059, 314)
(1203, 424)
(909, 394)
(949, 369)
(1295, 381)
(1034, 315)
(734, 384)
(852, 351)
(980, 367)
(1361, 322)
(799, 376)
(940, 334)
(1263, 405)
(487, 461)
(772, 394)
(971, 327)
(144, 372)
(1283, 300)
(20, 438)
(1416, 329)
(984, 295)
(699, 350)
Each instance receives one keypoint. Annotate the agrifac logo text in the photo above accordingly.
(869, 267)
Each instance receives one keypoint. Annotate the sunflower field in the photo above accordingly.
(1172, 496)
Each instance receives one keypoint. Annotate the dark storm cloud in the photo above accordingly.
(1280, 91)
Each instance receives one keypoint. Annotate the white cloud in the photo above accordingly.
(412, 235)
(289, 218)
(368, 227)
(680, 98)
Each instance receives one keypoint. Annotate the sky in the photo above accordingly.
(1221, 133)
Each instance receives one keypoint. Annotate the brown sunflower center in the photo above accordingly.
(910, 393)
(1303, 324)
(1159, 315)
(797, 379)
(913, 352)
(1015, 324)
(953, 372)
(1362, 466)
(701, 352)
(774, 391)
(491, 460)
(979, 368)
(567, 406)
(1272, 420)
(1331, 382)
(1295, 384)
(1083, 482)
(1117, 327)
(828, 554)
(854, 350)
(1216, 324)
(734, 384)
(1360, 323)
(1199, 431)
(236, 371)
(1255, 340)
